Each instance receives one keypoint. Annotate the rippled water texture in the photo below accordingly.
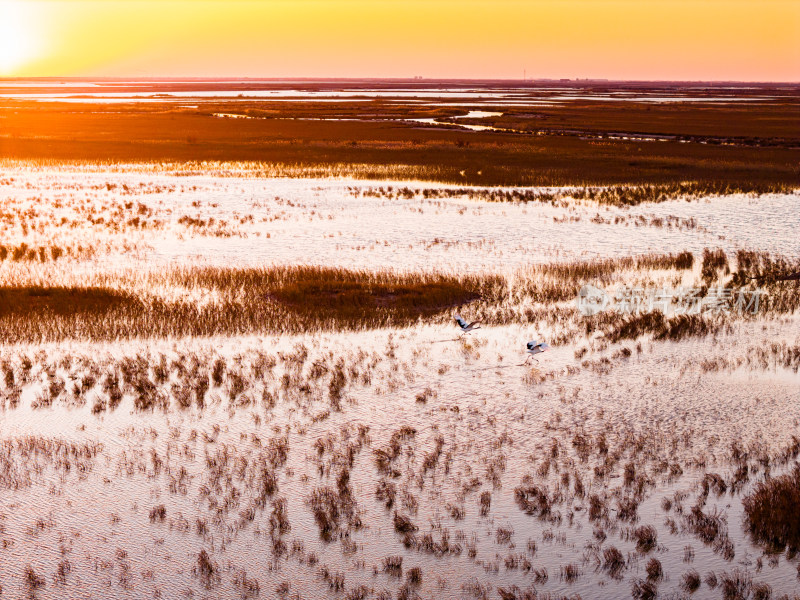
(417, 448)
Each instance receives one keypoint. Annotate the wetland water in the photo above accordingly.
(334, 464)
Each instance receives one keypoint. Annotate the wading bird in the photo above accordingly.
(466, 327)
(535, 348)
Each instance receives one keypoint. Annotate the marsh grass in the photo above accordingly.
(771, 273)
(24, 252)
(357, 296)
(207, 570)
(613, 562)
(661, 327)
(654, 570)
(238, 483)
(64, 301)
(285, 300)
(32, 580)
(207, 301)
(646, 538)
(716, 148)
(643, 590)
(534, 500)
(772, 518)
(690, 581)
(561, 281)
(613, 195)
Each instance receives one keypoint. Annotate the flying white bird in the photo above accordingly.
(535, 348)
(466, 327)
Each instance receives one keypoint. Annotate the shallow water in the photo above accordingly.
(79, 479)
(492, 420)
(336, 222)
(105, 92)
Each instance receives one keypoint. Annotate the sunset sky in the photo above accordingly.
(623, 39)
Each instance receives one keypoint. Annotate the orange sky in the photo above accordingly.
(621, 39)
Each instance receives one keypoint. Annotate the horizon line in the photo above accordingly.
(387, 79)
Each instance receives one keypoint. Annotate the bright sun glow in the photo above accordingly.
(740, 40)
(18, 38)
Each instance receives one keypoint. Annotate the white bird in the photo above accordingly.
(535, 348)
(466, 327)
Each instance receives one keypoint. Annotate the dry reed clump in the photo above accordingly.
(690, 581)
(627, 508)
(715, 264)
(713, 482)
(570, 573)
(739, 585)
(26, 253)
(425, 395)
(669, 222)
(32, 580)
(404, 525)
(335, 509)
(62, 571)
(361, 592)
(643, 590)
(354, 296)
(646, 538)
(778, 278)
(485, 503)
(247, 587)
(335, 581)
(158, 513)
(386, 492)
(711, 580)
(428, 544)
(613, 562)
(248, 476)
(504, 535)
(385, 457)
(771, 512)
(711, 529)
(515, 593)
(654, 570)
(775, 354)
(150, 383)
(597, 508)
(518, 561)
(661, 327)
(207, 570)
(393, 565)
(534, 500)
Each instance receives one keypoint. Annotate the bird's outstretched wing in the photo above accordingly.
(531, 344)
(461, 322)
